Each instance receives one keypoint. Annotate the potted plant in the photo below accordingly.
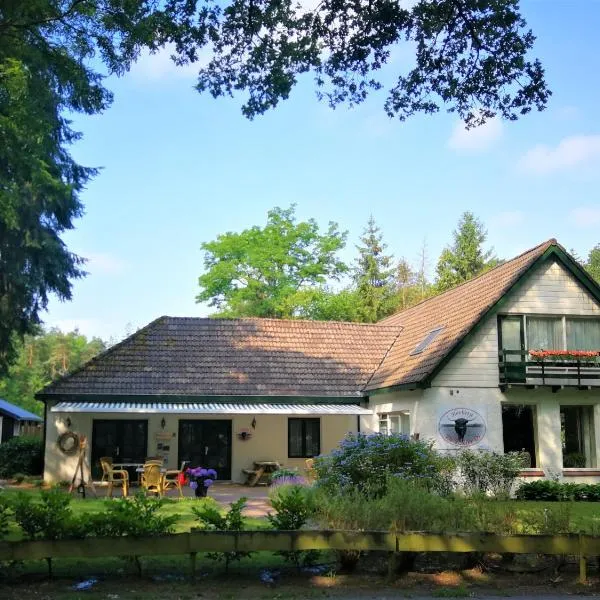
(200, 480)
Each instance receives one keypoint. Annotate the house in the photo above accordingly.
(456, 369)
(16, 421)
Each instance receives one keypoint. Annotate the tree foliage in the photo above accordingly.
(592, 266)
(270, 271)
(374, 275)
(46, 48)
(465, 258)
(41, 359)
(471, 56)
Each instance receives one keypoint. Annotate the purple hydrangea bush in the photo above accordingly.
(366, 462)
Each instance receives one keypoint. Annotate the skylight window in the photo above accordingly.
(422, 345)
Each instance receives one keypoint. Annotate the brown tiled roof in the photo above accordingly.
(237, 357)
(176, 356)
(458, 310)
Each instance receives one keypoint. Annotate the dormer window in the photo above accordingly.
(423, 344)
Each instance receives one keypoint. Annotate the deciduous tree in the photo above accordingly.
(270, 271)
(592, 265)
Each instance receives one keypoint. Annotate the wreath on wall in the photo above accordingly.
(68, 442)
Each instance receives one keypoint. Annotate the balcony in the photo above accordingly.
(521, 368)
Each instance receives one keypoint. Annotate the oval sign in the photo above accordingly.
(462, 427)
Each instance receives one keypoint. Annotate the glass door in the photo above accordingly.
(125, 441)
(206, 443)
(512, 346)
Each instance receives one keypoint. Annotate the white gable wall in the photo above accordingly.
(551, 290)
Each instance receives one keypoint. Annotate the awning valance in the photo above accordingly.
(186, 408)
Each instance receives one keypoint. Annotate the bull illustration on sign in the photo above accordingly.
(462, 427)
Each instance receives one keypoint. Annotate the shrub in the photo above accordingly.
(137, 516)
(488, 473)
(406, 506)
(4, 516)
(293, 508)
(19, 478)
(211, 517)
(365, 462)
(554, 491)
(50, 518)
(21, 455)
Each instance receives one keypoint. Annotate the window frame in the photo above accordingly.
(525, 327)
(303, 453)
(585, 435)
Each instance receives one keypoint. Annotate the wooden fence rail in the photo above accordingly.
(191, 543)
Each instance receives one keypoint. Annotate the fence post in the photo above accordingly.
(582, 560)
(193, 563)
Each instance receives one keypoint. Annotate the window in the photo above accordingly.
(304, 438)
(394, 423)
(518, 430)
(427, 340)
(544, 333)
(577, 436)
(583, 334)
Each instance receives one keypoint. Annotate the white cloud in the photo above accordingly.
(102, 263)
(509, 218)
(159, 66)
(477, 139)
(571, 152)
(585, 216)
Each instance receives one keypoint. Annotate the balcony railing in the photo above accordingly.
(517, 367)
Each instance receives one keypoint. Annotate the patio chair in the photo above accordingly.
(114, 477)
(152, 478)
(309, 469)
(172, 479)
(106, 463)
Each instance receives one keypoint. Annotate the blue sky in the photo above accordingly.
(179, 168)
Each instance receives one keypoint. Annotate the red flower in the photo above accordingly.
(564, 354)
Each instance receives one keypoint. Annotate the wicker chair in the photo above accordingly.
(106, 463)
(172, 479)
(152, 478)
(114, 477)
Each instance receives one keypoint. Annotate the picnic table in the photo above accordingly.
(261, 473)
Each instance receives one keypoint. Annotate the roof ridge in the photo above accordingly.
(378, 324)
(545, 245)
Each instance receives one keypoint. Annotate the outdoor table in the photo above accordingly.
(262, 472)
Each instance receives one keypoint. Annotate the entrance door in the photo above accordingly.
(206, 443)
(512, 340)
(125, 441)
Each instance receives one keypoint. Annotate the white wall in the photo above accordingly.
(393, 402)
(269, 440)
